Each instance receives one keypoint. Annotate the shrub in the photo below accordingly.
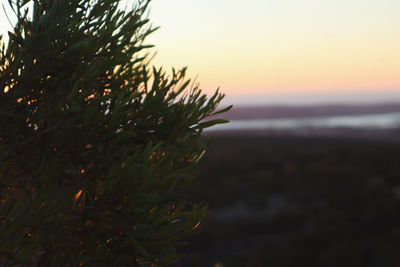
(93, 145)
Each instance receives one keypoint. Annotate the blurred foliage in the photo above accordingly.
(92, 144)
(298, 201)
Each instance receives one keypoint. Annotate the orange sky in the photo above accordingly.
(282, 46)
(279, 47)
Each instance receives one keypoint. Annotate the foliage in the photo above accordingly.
(92, 143)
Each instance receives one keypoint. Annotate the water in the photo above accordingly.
(371, 121)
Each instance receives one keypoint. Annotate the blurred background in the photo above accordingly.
(307, 171)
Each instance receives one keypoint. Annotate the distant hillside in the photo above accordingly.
(267, 112)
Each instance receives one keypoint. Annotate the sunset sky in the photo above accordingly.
(283, 47)
(269, 48)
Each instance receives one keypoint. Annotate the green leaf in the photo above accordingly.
(137, 245)
(222, 110)
(149, 198)
(208, 124)
(76, 46)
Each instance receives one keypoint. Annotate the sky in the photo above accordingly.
(276, 49)
(283, 48)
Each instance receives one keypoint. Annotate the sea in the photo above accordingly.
(389, 120)
(369, 121)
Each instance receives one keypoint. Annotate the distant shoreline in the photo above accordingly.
(380, 135)
(300, 111)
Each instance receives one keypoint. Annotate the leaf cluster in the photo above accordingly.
(93, 143)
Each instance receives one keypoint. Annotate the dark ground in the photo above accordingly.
(292, 200)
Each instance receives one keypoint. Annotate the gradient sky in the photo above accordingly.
(280, 47)
(288, 47)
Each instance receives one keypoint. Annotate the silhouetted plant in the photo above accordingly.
(92, 143)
